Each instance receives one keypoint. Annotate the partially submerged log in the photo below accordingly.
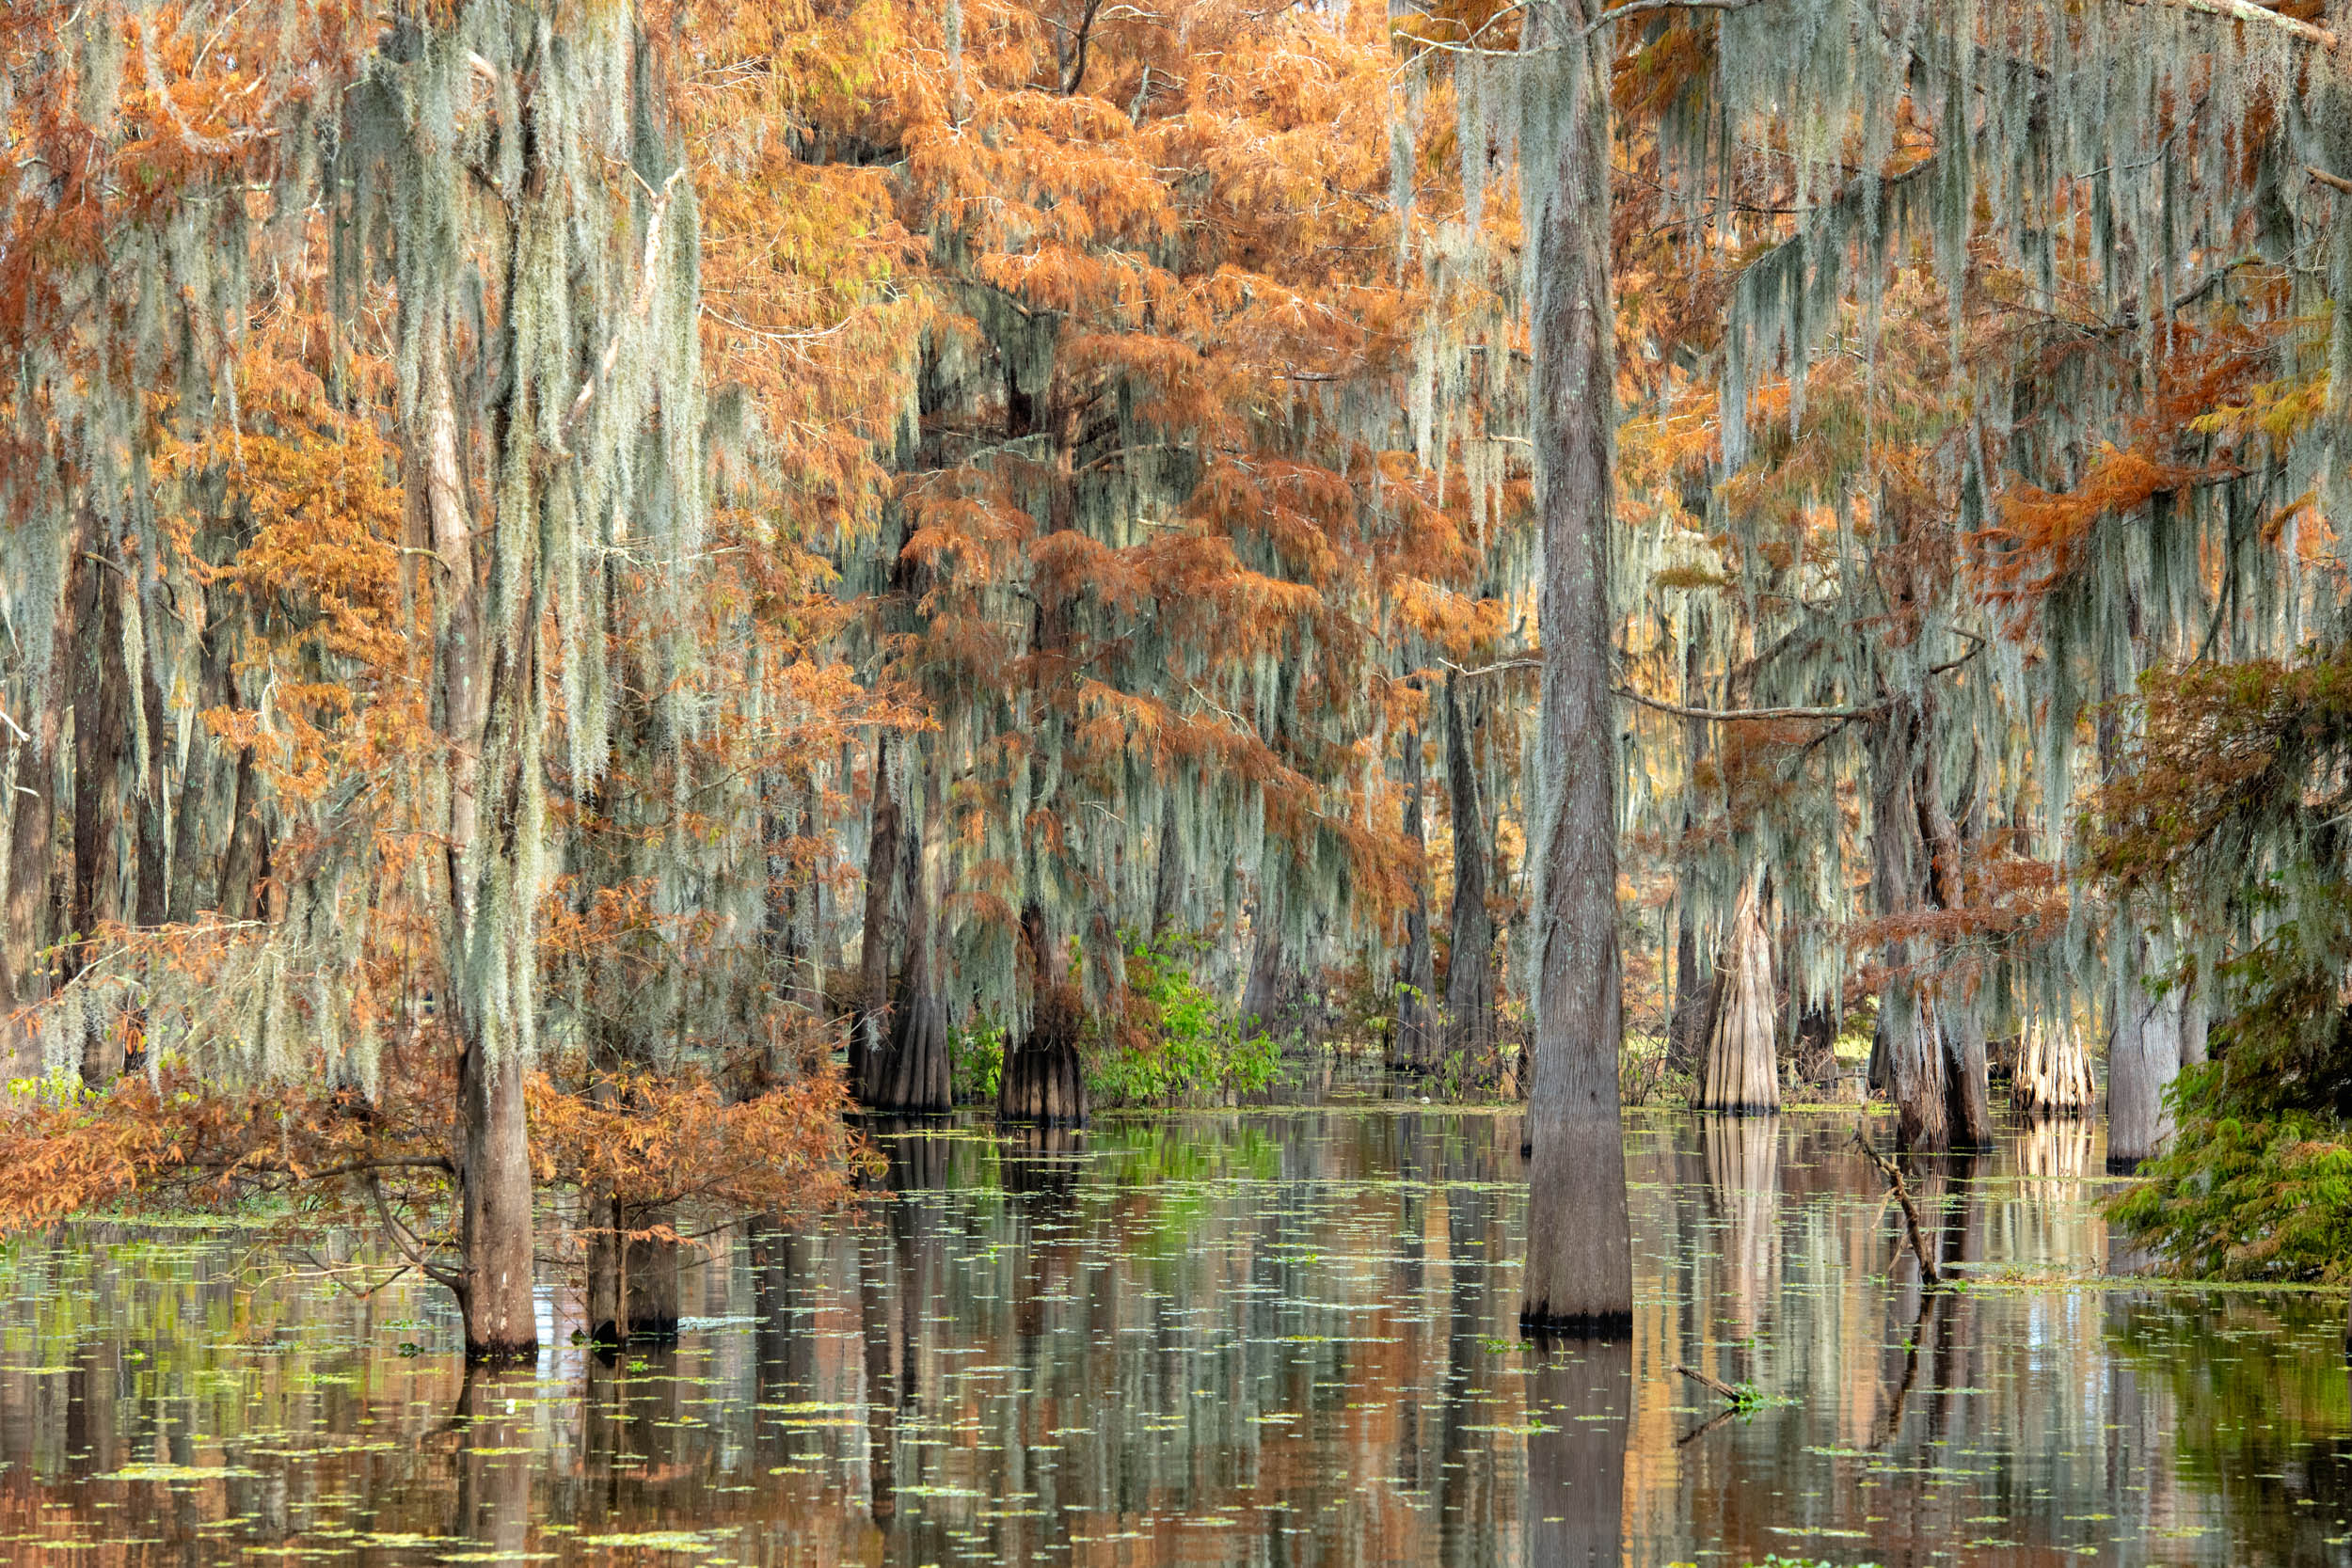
(1741, 1073)
(2052, 1077)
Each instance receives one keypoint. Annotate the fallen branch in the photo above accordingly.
(1928, 1274)
(1740, 1397)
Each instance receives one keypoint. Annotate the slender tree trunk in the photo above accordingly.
(632, 1280)
(101, 742)
(1470, 969)
(26, 923)
(1417, 984)
(1580, 1261)
(1167, 886)
(869, 1034)
(1913, 1054)
(1959, 1025)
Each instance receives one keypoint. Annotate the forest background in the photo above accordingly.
(590, 584)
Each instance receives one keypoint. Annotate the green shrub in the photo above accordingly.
(2246, 1197)
(979, 1057)
(1171, 1042)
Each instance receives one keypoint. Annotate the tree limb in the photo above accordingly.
(1928, 1274)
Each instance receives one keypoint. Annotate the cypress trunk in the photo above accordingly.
(1913, 1054)
(2143, 1058)
(494, 1186)
(100, 739)
(1043, 1080)
(1470, 969)
(869, 1037)
(1417, 982)
(1579, 1275)
(909, 1076)
(2053, 1076)
(632, 1280)
(1741, 1073)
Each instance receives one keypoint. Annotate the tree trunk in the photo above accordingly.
(868, 1033)
(1741, 1073)
(1168, 885)
(27, 901)
(1579, 1275)
(1470, 966)
(1261, 993)
(100, 739)
(2053, 1076)
(2143, 1058)
(909, 1075)
(494, 1184)
(1960, 1029)
(1899, 869)
(632, 1280)
(1043, 1080)
(1967, 1083)
(1417, 982)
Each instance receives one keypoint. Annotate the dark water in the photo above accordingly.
(1283, 1338)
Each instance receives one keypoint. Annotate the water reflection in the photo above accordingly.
(1280, 1337)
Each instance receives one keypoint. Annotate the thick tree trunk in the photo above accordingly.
(494, 1183)
(909, 1075)
(1261, 993)
(2143, 1058)
(1043, 1080)
(1417, 981)
(1579, 1275)
(1470, 966)
(2053, 1076)
(1741, 1073)
(1967, 1083)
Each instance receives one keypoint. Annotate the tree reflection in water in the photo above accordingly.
(1269, 1339)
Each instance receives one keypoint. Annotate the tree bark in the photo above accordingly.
(1913, 1054)
(1741, 1073)
(27, 901)
(2143, 1058)
(632, 1280)
(494, 1185)
(1043, 1080)
(1470, 966)
(869, 1037)
(100, 739)
(1417, 982)
(1579, 1275)
(909, 1075)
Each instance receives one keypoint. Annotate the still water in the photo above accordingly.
(1282, 1337)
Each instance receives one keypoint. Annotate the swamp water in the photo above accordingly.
(1280, 1337)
